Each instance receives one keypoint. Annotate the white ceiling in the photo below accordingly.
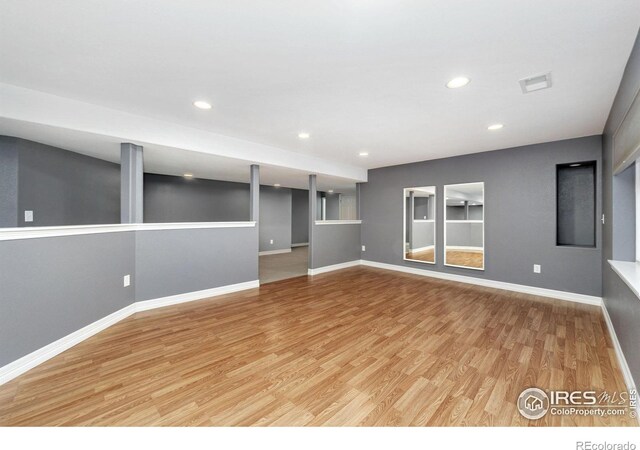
(357, 75)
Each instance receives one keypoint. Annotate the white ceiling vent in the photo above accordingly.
(535, 83)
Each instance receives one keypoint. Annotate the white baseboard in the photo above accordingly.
(33, 359)
(421, 249)
(28, 362)
(333, 267)
(301, 244)
(146, 305)
(562, 295)
(622, 361)
(463, 248)
(274, 252)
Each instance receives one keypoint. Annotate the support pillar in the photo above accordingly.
(131, 183)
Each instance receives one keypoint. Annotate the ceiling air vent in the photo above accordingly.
(535, 83)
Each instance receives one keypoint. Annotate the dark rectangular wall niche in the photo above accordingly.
(576, 204)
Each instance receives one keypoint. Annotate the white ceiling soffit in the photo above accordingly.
(169, 161)
(356, 75)
(26, 105)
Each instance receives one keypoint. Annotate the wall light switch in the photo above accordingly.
(536, 268)
(28, 216)
(271, 242)
(127, 280)
(364, 248)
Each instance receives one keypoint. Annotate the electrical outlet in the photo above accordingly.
(126, 280)
(364, 248)
(536, 268)
(28, 216)
(271, 242)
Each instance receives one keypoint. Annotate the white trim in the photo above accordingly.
(421, 249)
(484, 212)
(404, 226)
(27, 362)
(8, 234)
(622, 361)
(333, 267)
(146, 305)
(274, 252)
(338, 222)
(301, 244)
(560, 295)
(464, 221)
(33, 359)
(424, 220)
(629, 272)
(464, 249)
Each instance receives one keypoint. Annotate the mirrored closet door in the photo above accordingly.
(419, 224)
(464, 225)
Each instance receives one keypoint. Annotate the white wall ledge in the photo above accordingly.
(338, 222)
(629, 271)
(10, 234)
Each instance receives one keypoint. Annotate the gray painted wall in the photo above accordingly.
(576, 208)
(299, 216)
(509, 175)
(65, 188)
(422, 234)
(460, 234)
(51, 287)
(619, 229)
(275, 218)
(333, 206)
(178, 199)
(8, 182)
(170, 262)
(335, 244)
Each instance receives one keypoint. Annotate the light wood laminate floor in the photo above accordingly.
(360, 346)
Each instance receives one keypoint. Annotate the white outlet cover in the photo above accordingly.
(127, 280)
(536, 268)
(28, 216)
(271, 242)
(364, 249)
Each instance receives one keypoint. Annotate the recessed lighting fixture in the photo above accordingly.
(462, 202)
(458, 82)
(303, 135)
(364, 153)
(202, 104)
(495, 126)
(188, 175)
(575, 165)
(277, 184)
(330, 191)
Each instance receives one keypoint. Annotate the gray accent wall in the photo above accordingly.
(170, 262)
(464, 234)
(517, 234)
(51, 287)
(177, 199)
(8, 182)
(333, 206)
(422, 234)
(275, 218)
(63, 187)
(334, 244)
(299, 216)
(622, 304)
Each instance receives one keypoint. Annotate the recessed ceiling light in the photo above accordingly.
(303, 135)
(202, 104)
(575, 165)
(330, 191)
(364, 153)
(188, 175)
(495, 126)
(458, 82)
(462, 202)
(277, 184)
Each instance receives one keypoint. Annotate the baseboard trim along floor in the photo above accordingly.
(333, 267)
(274, 252)
(551, 293)
(37, 357)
